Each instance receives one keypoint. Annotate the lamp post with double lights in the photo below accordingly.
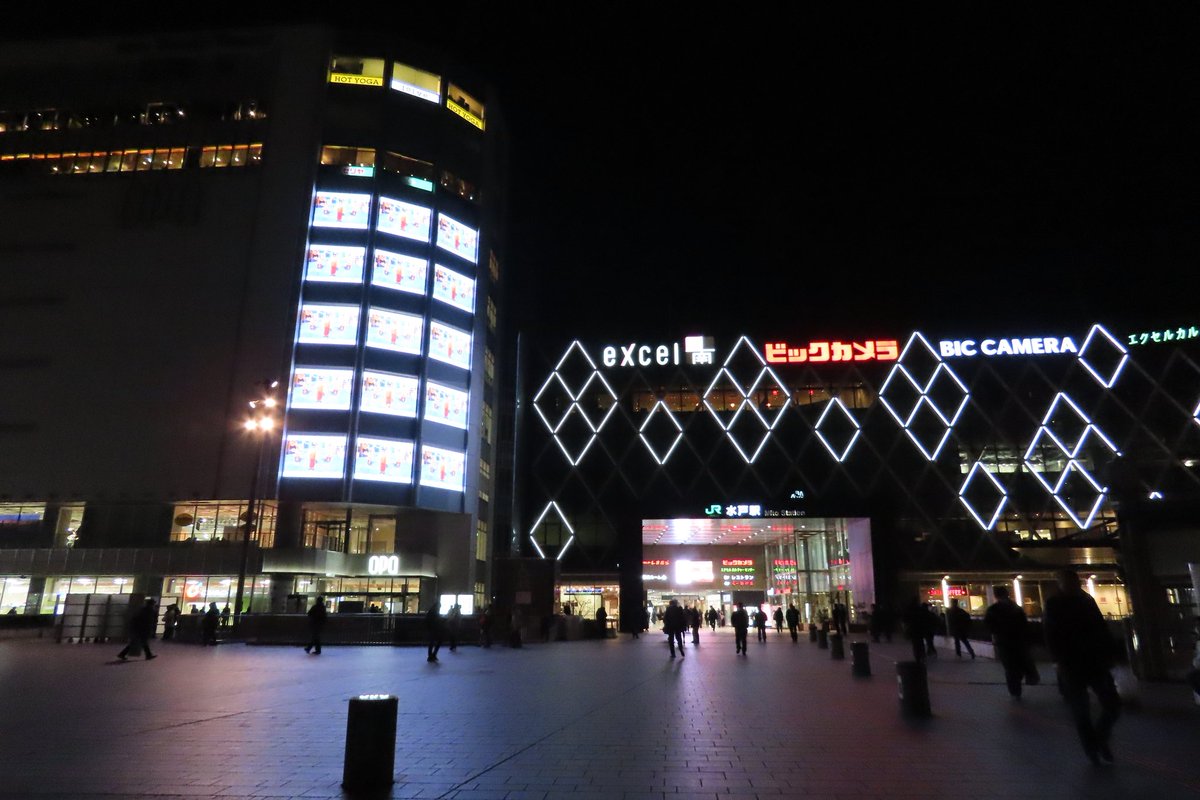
(260, 424)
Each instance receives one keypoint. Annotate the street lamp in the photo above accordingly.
(260, 423)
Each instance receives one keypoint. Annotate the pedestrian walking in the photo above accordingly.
(601, 622)
(225, 615)
(741, 626)
(793, 621)
(694, 622)
(452, 622)
(485, 627)
(434, 630)
(958, 621)
(674, 624)
(760, 624)
(316, 623)
(208, 625)
(841, 619)
(1082, 648)
(711, 617)
(1009, 627)
(919, 626)
(141, 628)
(779, 620)
(932, 624)
(170, 621)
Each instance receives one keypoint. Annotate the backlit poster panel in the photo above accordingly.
(442, 468)
(417, 82)
(385, 460)
(446, 405)
(450, 345)
(395, 271)
(307, 455)
(454, 289)
(688, 572)
(404, 219)
(328, 263)
(385, 393)
(322, 324)
(342, 210)
(391, 330)
(457, 238)
(321, 389)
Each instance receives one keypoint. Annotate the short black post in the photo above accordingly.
(837, 648)
(860, 665)
(812, 631)
(914, 689)
(370, 743)
(823, 639)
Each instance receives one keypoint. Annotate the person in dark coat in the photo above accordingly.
(1082, 647)
(452, 621)
(674, 624)
(601, 622)
(920, 623)
(695, 620)
(316, 623)
(778, 616)
(741, 626)
(434, 629)
(958, 621)
(141, 629)
(760, 624)
(1009, 627)
(711, 616)
(793, 621)
(485, 627)
(208, 625)
(170, 621)
(840, 619)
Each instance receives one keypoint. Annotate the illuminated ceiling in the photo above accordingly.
(730, 531)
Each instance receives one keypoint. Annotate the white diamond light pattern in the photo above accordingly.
(574, 408)
(1099, 337)
(678, 432)
(549, 506)
(747, 405)
(839, 457)
(942, 372)
(1071, 451)
(976, 469)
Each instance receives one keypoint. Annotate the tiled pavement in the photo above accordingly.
(591, 719)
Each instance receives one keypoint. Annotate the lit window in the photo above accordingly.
(347, 156)
(494, 266)
(465, 106)
(356, 71)
(491, 314)
(416, 82)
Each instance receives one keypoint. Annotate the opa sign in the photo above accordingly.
(383, 565)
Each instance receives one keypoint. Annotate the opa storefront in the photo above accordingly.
(931, 465)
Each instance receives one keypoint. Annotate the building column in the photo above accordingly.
(33, 600)
(281, 587)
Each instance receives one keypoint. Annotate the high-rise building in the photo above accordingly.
(256, 267)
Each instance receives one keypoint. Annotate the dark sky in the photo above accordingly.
(823, 173)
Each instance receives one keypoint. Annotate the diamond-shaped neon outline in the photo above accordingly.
(1101, 493)
(611, 408)
(574, 460)
(1073, 464)
(769, 426)
(554, 429)
(899, 368)
(962, 495)
(857, 430)
(553, 376)
(923, 391)
(1107, 384)
(562, 517)
(678, 435)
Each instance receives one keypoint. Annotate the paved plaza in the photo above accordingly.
(588, 719)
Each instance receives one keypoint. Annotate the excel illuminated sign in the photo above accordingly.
(383, 565)
(1028, 346)
(823, 351)
(698, 349)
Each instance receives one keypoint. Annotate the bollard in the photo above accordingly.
(860, 666)
(837, 648)
(914, 689)
(823, 639)
(812, 632)
(370, 743)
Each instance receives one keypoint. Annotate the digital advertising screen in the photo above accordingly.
(391, 330)
(310, 455)
(454, 289)
(385, 393)
(404, 219)
(688, 572)
(321, 388)
(385, 460)
(342, 210)
(417, 82)
(442, 468)
(446, 405)
(322, 324)
(395, 271)
(457, 238)
(449, 345)
(331, 263)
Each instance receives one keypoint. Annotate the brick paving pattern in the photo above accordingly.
(614, 719)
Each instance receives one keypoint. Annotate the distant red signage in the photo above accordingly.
(657, 562)
(737, 562)
(785, 562)
(955, 591)
(819, 352)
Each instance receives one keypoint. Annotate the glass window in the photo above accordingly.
(220, 520)
(491, 314)
(356, 71)
(463, 188)
(66, 531)
(347, 156)
(489, 365)
(493, 266)
(410, 167)
(481, 537)
(13, 515)
(57, 589)
(465, 106)
(487, 423)
(14, 590)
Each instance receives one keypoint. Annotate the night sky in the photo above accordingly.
(810, 173)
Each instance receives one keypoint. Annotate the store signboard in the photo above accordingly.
(1028, 346)
(819, 352)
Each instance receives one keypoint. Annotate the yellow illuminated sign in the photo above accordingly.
(356, 80)
(465, 114)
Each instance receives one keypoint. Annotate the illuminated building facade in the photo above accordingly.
(190, 219)
(869, 470)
